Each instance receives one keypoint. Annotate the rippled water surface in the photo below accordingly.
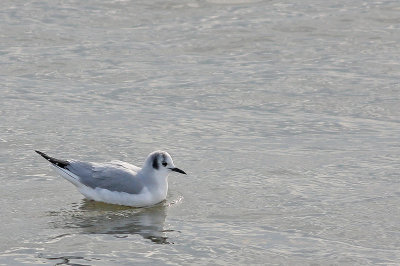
(285, 115)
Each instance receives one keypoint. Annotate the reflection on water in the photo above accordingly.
(92, 217)
(65, 260)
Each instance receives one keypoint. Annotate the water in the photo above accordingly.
(284, 114)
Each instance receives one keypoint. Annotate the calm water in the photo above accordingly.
(285, 115)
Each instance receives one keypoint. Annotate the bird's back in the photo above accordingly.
(114, 176)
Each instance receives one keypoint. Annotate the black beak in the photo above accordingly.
(178, 170)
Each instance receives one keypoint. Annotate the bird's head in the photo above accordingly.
(161, 162)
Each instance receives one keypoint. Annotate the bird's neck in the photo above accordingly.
(155, 179)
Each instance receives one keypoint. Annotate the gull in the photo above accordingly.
(119, 182)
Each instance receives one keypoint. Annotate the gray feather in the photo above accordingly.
(114, 176)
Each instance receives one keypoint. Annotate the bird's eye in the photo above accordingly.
(164, 164)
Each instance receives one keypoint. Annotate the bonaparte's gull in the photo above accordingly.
(119, 182)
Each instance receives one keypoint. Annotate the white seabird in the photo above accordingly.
(119, 182)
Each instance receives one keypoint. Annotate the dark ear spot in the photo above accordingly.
(155, 164)
(164, 163)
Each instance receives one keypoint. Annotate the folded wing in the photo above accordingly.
(114, 176)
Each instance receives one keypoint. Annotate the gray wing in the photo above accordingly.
(113, 176)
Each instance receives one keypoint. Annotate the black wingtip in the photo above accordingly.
(44, 155)
(41, 153)
(59, 163)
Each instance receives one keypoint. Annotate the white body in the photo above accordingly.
(150, 195)
(119, 182)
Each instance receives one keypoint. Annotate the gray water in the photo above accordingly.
(285, 115)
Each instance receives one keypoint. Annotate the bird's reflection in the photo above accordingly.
(100, 218)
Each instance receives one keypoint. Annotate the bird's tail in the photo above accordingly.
(61, 168)
(57, 162)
